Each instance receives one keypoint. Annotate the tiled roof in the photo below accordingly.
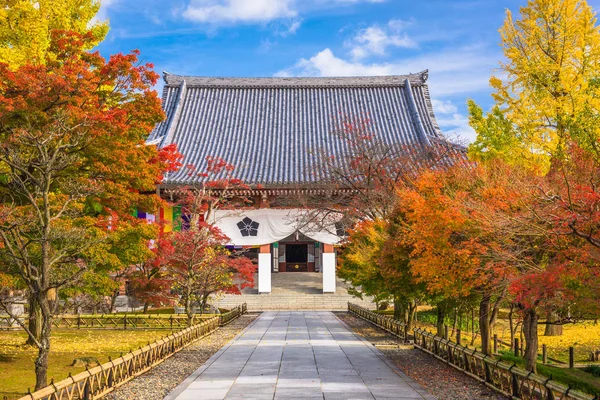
(272, 128)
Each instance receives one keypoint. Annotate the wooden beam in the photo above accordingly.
(327, 248)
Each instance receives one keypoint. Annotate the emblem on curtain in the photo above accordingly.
(248, 227)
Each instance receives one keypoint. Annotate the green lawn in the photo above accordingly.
(16, 360)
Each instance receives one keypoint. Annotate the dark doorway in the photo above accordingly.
(296, 257)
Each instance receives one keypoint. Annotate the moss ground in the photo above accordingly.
(16, 359)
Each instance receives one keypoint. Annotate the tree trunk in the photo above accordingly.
(113, 300)
(484, 324)
(410, 318)
(441, 316)
(41, 367)
(530, 330)
(454, 321)
(473, 336)
(204, 302)
(35, 320)
(41, 362)
(552, 329)
(511, 326)
(398, 308)
(188, 311)
(146, 305)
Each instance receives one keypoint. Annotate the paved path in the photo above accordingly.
(298, 355)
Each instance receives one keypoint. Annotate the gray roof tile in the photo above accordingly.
(271, 128)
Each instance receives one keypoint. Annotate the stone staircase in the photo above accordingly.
(293, 291)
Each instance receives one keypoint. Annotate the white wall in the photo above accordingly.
(328, 272)
(264, 273)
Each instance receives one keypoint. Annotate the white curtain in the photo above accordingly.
(273, 226)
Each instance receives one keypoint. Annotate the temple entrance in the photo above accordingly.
(296, 257)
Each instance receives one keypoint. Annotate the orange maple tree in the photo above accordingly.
(73, 162)
(454, 218)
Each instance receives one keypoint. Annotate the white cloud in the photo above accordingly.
(325, 63)
(452, 71)
(217, 12)
(287, 28)
(103, 12)
(456, 128)
(443, 107)
(375, 39)
(294, 26)
(231, 11)
(360, 1)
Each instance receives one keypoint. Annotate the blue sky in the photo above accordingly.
(456, 40)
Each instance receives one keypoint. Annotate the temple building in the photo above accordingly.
(271, 129)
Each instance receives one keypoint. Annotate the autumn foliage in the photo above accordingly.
(73, 164)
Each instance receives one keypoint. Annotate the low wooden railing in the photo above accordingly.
(507, 379)
(96, 382)
(386, 323)
(226, 318)
(116, 321)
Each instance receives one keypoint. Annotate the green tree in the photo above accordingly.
(359, 263)
(26, 27)
(547, 92)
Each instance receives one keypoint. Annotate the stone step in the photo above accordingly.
(274, 302)
(293, 291)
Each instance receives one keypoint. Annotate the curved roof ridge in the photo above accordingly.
(417, 79)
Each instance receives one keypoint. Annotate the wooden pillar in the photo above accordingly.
(264, 269)
(328, 265)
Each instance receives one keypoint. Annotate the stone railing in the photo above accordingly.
(96, 382)
(508, 379)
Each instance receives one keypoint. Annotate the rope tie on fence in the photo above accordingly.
(548, 380)
(529, 374)
(568, 390)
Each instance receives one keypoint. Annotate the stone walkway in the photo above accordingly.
(298, 355)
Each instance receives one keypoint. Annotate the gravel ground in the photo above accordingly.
(160, 380)
(441, 380)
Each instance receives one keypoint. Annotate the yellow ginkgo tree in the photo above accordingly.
(546, 90)
(25, 26)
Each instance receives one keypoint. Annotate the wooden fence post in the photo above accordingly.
(446, 332)
(87, 390)
(571, 357)
(544, 354)
(495, 343)
(515, 383)
(125, 322)
(516, 347)
(458, 336)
